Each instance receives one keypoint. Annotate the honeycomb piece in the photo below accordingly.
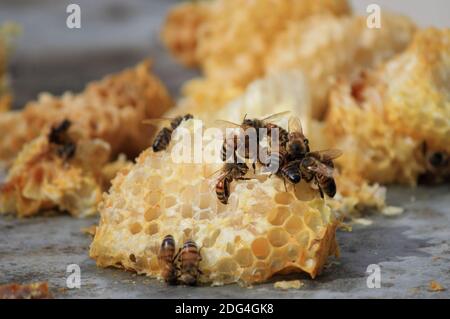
(111, 109)
(7, 32)
(234, 40)
(41, 180)
(288, 91)
(278, 92)
(402, 104)
(326, 47)
(418, 89)
(261, 232)
(180, 28)
(38, 290)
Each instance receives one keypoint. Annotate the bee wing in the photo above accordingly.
(224, 124)
(228, 128)
(157, 121)
(327, 155)
(215, 177)
(321, 169)
(295, 125)
(275, 117)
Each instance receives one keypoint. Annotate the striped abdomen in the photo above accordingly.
(162, 140)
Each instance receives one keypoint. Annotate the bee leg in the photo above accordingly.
(320, 189)
(254, 167)
(176, 256)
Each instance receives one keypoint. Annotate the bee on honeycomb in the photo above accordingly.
(261, 231)
(405, 108)
(111, 109)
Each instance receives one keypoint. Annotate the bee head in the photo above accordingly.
(243, 168)
(438, 159)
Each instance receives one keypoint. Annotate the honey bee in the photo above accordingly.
(298, 144)
(59, 136)
(241, 139)
(226, 175)
(190, 258)
(318, 166)
(162, 139)
(437, 164)
(167, 259)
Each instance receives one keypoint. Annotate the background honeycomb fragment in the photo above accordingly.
(403, 104)
(7, 32)
(262, 231)
(111, 109)
(318, 37)
(180, 29)
(40, 180)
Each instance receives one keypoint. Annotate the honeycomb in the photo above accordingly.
(7, 32)
(402, 104)
(180, 28)
(324, 47)
(289, 91)
(41, 180)
(418, 89)
(263, 230)
(111, 109)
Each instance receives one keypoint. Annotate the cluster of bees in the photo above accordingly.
(182, 267)
(292, 158)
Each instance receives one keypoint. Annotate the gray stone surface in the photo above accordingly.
(412, 249)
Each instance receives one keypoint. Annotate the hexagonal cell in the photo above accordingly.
(170, 201)
(153, 197)
(172, 187)
(313, 221)
(152, 213)
(294, 224)
(244, 257)
(153, 182)
(284, 198)
(205, 200)
(205, 214)
(261, 248)
(278, 237)
(304, 192)
(189, 194)
(186, 210)
(211, 239)
(152, 228)
(303, 238)
(227, 265)
(261, 209)
(278, 215)
(260, 271)
(293, 252)
(135, 228)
